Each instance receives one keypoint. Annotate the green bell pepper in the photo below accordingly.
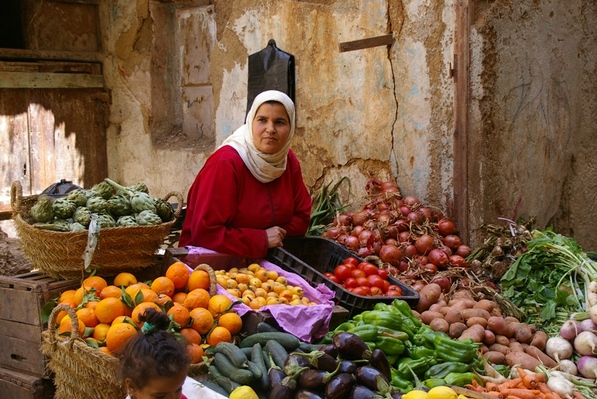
(441, 370)
(390, 346)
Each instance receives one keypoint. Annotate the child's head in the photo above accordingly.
(153, 363)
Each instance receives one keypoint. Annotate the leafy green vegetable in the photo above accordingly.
(326, 206)
(553, 273)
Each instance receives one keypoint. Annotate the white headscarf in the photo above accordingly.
(265, 167)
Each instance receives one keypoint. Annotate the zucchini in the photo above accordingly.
(277, 352)
(225, 366)
(262, 326)
(257, 358)
(254, 369)
(247, 352)
(233, 352)
(226, 383)
(288, 341)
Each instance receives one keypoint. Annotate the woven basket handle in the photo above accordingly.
(180, 199)
(73, 319)
(16, 193)
(213, 289)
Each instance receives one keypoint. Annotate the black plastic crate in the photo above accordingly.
(310, 257)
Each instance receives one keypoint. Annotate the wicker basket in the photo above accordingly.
(60, 254)
(80, 371)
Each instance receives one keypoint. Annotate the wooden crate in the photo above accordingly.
(16, 385)
(22, 298)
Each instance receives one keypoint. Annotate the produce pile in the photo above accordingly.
(107, 203)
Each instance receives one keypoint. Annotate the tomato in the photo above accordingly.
(356, 273)
(351, 260)
(363, 291)
(383, 273)
(370, 270)
(376, 291)
(351, 282)
(341, 272)
(363, 282)
(394, 292)
(386, 285)
(394, 287)
(375, 281)
(363, 264)
(333, 278)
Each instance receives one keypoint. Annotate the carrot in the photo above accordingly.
(491, 386)
(531, 380)
(508, 384)
(577, 395)
(521, 393)
(494, 394)
(552, 395)
(474, 387)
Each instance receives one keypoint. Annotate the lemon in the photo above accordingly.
(415, 394)
(442, 392)
(243, 392)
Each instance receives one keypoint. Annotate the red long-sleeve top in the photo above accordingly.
(228, 209)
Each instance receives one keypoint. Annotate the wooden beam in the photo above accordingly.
(39, 80)
(37, 55)
(366, 43)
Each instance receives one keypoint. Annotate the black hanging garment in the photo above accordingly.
(60, 189)
(270, 69)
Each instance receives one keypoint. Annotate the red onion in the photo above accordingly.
(410, 250)
(356, 230)
(364, 252)
(424, 244)
(444, 282)
(352, 243)
(342, 239)
(402, 224)
(405, 210)
(429, 267)
(411, 200)
(344, 219)
(392, 231)
(438, 257)
(463, 250)
(452, 241)
(364, 237)
(416, 217)
(427, 213)
(391, 241)
(457, 261)
(390, 254)
(404, 236)
(332, 233)
(360, 218)
(446, 226)
(403, 266)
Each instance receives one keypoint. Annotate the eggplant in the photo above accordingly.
(320, 360)
(330, 349)
(305, 394)
(286, 388)
(373, 379)
(351, 346)
(276, 375)
(348, 366)
(294, 361)
(313, 380)
(339, 386)
(362, 392)
(380, 361)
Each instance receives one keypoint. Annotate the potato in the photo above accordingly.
(502, 339)
(445, 310)
(489, 338)
(476, 333)
(522, 332)
(428, 295)
(468, 313)
(456, 329)
(495, 357)
(477, 320)
(429, 315)
(539, 340)
(499, 348)
(454, 316)
(462, 294)
(541, 356)
(439, 325)
(462, 304)
(522, 359)
(498, 325)
(486, 304)
(516, 346)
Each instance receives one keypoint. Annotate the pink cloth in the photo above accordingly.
(308, 323)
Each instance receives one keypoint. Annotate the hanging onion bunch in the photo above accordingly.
(410, 239)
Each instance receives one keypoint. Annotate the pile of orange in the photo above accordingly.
(108, 314)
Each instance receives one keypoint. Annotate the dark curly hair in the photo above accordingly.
(153, 353)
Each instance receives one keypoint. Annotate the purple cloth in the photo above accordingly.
(308, 323)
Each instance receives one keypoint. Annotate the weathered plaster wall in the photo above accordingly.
(533, 115)
(381, 110)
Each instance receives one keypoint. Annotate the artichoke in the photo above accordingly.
(77, 227)
(42, 210)
(82, 216)
(55, 225)
(127, 220)
(148, 218)
(139, 187)
(77, 196)
(63, 208)
(140, 201)
(119, 205)
(164, 209)
(105, 220)
(103, 189)
(97, 204)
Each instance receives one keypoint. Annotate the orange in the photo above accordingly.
(106, 350)
(231, 321)
(108, 309)
(163, 285)
(196, 353)
(91, 304)
(149, 295)
(122, 319)
(197, 298)
(124, 279)
(87, 316)
(79, 295)
(140, 309)
(132, 289)
(163, 299)
(178, 272)
(65, 326)
(217, 335)
(111, 291)
(97, 282)
(100, 331)
(219, 304)
(67, 296)
(191, 336)
(118, 335)
(179, 297)
(203, 320)
(180, 314)
(198, 279)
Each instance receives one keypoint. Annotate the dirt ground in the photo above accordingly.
(12, 259)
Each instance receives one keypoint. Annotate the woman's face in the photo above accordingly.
(158, 388)
(271, 127)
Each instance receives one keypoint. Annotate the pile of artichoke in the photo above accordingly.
(108, 203)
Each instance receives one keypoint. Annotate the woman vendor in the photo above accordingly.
(250, 193)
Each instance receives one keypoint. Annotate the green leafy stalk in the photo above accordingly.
(326, 206)
(553, 273)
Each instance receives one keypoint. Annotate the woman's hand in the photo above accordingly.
(275, 236)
